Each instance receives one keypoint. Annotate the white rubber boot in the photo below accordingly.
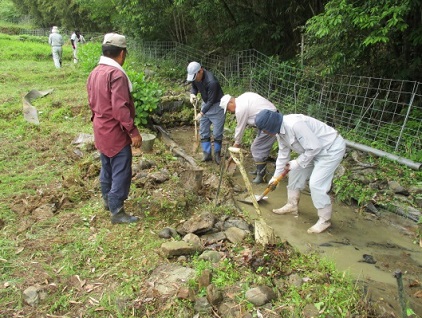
(292, 203)
(323, 221)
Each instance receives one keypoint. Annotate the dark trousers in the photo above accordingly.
(117, 172)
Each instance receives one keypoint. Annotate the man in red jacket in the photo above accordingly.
(113, 111)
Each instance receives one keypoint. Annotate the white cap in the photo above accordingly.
(193, 69)
(224, 101)
(115, 40)
(55, 29)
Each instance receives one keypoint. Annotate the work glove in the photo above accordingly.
(198, 117)
(292, 165)
(270, 183)
(193, 98)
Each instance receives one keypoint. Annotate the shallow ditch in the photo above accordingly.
(369, 247)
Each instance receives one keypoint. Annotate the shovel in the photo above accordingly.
(264, 234)
(196, 142)
(270, 187)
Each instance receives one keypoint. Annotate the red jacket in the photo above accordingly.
(112, 109)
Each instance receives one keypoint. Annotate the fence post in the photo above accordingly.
(415, 89)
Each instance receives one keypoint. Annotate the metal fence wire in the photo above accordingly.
(381, 113)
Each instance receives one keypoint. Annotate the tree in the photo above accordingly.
(362, 37)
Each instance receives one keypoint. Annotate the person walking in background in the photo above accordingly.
(56, 42)
(320, 148)
(204, 82)
(113, 111)
(246, 107)
(75, 39)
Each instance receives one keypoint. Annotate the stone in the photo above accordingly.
(197, 224)
(211, 256)
(235, 235)
(214, 295)
(167, 279)
(260, 295)
(30, 296)
(204, 279)
(202, 305)
(295, 280)
(194, 240)
(177, 248)
(212, 238)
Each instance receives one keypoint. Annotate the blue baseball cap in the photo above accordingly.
(269, 121)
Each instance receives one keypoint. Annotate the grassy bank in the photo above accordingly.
(56, 236)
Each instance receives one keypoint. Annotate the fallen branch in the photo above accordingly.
(174, 147)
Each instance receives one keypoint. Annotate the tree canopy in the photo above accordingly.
(341, 36)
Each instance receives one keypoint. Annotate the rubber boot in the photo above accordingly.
(217, 151)
(292, 203)
(261, 169)
(118, 214)
(105, 189)
(324, 217)
(206, 150)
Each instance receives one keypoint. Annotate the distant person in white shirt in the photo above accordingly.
(75, 39)
(246, 107)
(320, 148)
(56, 42)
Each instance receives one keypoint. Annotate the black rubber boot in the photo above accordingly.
(206, 156)
(121, 217)
(105, 189)
(261, 170)
(217, 157)
(118, 214)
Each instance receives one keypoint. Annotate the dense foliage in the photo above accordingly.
(336, 36)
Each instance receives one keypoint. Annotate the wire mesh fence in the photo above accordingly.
(381, 113)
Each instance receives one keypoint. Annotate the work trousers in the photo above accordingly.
(117, 172)
(320, 173)
(57, 56)
(261, 147)
(215, 116)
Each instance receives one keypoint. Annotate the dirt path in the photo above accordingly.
(389, 240)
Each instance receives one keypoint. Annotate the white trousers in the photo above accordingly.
(320, 173)
(57, 56)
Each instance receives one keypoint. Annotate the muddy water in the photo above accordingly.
(389, 239)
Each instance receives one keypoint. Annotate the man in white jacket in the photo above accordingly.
(76, 39)
(320, 148)
(246, 107)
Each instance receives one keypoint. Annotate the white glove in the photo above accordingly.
(293, 165)
(198, 117)
(272, 180)
(193, 98)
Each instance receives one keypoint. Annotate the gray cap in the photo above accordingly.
(115, 40)
(193, 68)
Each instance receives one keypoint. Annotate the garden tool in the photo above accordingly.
(270, 187)
(264, 234)
(221, 174)
(196, 141)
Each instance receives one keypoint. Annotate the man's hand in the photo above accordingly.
(292, 165)
(198, 117)
(193, 99)
(136, 141)
(270, 183)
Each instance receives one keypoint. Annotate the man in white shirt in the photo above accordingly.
(246, 107)
(320, 148)
(76, 38)
(56, 42)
